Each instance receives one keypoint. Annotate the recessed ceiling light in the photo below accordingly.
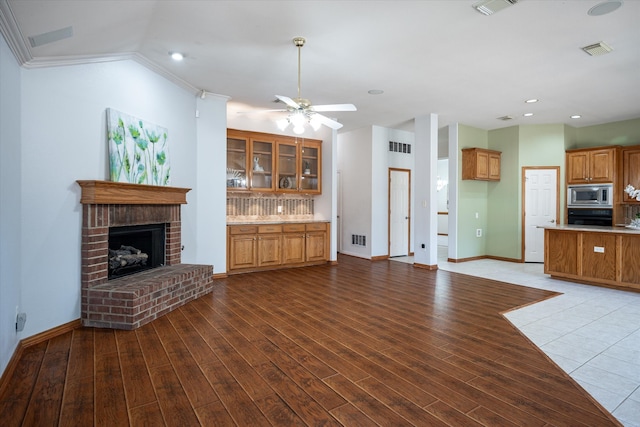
(604, 7)
(528, 114)
(176, 56)
(531, 101)
(375, 92)
(576, 116)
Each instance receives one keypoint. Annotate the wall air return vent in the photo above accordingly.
(489, 7)
(399, 147)
(596, 49)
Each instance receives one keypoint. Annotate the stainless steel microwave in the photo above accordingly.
(589, 195)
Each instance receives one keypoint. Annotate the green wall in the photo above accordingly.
(472, 198)
(503, 223)
(626, 132)
(499, 204)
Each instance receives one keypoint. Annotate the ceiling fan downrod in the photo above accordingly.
(299, 43)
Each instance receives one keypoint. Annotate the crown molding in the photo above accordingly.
(16, 42)
(11, 33)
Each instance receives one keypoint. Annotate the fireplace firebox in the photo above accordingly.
(135, 248)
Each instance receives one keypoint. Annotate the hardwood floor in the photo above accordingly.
(361, 343)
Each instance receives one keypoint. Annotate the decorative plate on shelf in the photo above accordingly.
(286, 182)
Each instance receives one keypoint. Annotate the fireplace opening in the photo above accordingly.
(135, 248)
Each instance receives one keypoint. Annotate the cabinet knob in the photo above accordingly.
(552, 221)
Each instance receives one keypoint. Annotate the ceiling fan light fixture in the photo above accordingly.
(315, 123)
(282, 124)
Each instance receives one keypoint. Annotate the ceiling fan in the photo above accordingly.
(301, 110)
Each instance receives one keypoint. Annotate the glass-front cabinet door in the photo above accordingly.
(287, 167)
(310, 181)
(237, 163)
(262, 157)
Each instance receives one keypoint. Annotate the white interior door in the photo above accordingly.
(540, 208)
(398, 213)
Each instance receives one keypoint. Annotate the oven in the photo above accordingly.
(586, 216)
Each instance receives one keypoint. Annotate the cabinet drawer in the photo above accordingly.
(243, 229)
(270, 228)
(292, 228)
(317, 226)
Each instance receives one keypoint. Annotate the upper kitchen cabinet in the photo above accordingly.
(250, 161)
(630, 171)
(481, 164)
(237, 161)
(594, 165)
(264, 162)
(311, 156)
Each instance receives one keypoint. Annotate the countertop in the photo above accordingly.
(594, 228)
(277, 221)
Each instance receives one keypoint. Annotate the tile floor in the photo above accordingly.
(591, 332)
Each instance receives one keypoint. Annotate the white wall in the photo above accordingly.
(63, 138)
(10, 202)
(355, 166)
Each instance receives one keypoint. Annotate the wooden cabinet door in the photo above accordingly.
(578, 167)
(482, 165)
(293, 248)
(316, 246)
(630, 172)
(242, 251)
(494, 167)
(269, 250)
(598, 256)
(311, 168)
(237, 162)
(262, 161)
(561, 252)
(629, 268)
(288, 167)
(601, 165)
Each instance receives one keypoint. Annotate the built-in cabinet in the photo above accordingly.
(594, 165)
(263, 247)
(602, 257)
(630, 171)
(262, 162)
(481, 164)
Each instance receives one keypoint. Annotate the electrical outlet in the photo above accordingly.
(21, 319)
(477, 216)
(478, 232)
(280, 209)
(598, 249)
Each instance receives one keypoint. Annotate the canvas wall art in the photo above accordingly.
(138, 150)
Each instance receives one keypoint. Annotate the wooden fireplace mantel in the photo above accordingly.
(120, 193)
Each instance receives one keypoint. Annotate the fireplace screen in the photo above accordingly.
(135, 248)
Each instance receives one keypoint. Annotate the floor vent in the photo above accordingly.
(358, 240)
(399, 147)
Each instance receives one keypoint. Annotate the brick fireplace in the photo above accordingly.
(133, 300)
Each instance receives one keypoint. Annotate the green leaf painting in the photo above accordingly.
(138, 150)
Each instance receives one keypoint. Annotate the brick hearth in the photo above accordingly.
(131, 301)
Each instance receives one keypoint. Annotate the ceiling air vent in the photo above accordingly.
(596, 49)
(505, 118)
(489, 7)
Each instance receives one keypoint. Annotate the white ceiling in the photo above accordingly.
(428, 56)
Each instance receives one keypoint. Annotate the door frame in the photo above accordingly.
(408, 171)
(524, 195)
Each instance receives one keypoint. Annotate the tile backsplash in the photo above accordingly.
(264, 207)
(630, 212)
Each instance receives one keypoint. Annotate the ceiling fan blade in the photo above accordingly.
(333, 107)
(327, 121)
(261, 111)
(290, 102)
